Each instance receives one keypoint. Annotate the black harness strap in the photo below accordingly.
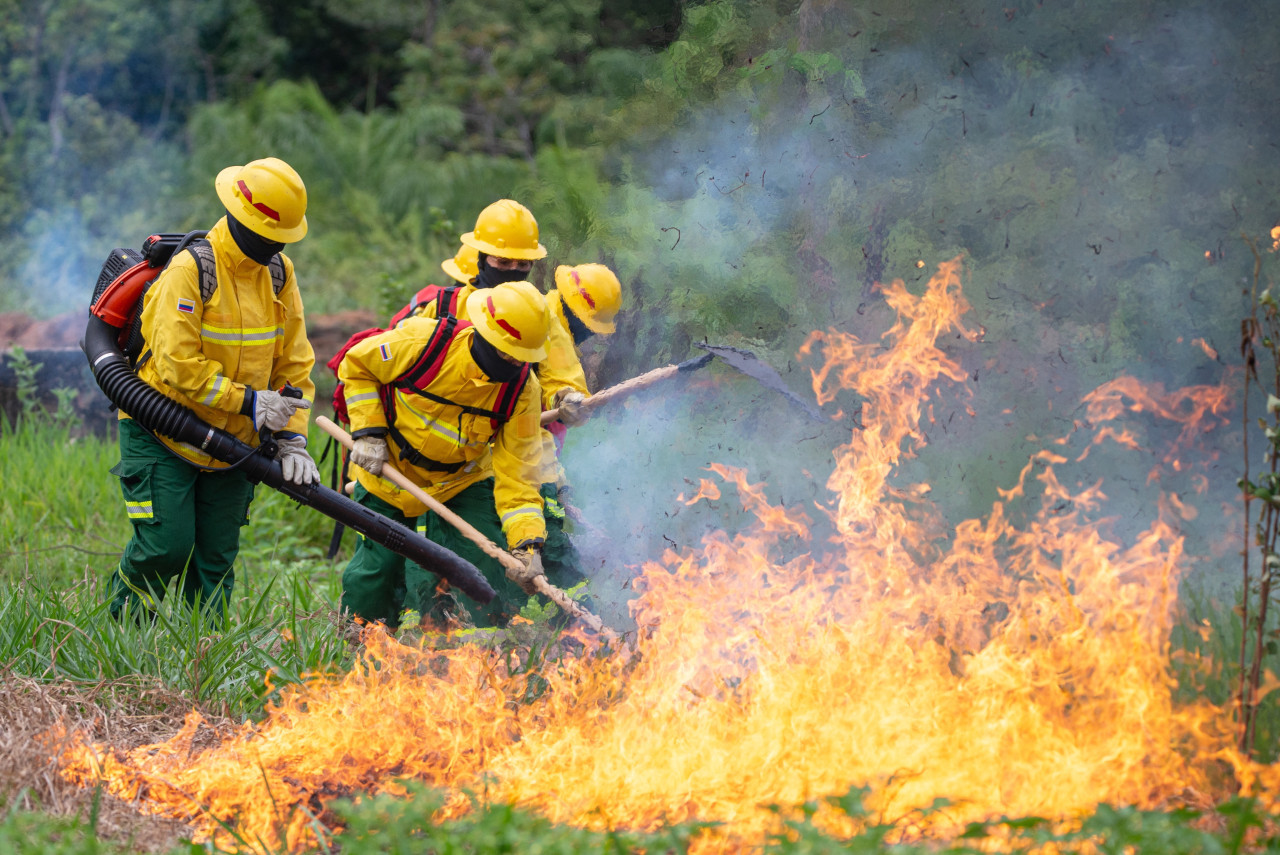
(447, 301)
(417, 458)
(202, 252)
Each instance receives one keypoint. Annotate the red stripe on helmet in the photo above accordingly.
(577, 280)
(506, 326)
(248, 197)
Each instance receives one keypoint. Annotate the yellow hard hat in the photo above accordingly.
(512, 317)
(267, 196)
(506, 229)
(592, 292)
(464, 266)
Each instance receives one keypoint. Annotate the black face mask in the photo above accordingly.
(253, 245)
(490, 276)
(577, 328)
(491, 362)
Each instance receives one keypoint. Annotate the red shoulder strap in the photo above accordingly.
(510, 394)
(420, 375)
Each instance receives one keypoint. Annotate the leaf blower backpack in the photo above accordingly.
(127, 274)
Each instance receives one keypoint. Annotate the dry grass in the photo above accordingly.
(39, 720)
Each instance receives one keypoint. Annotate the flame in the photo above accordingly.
(1015, 668)
(707, 489)
(1208, 349)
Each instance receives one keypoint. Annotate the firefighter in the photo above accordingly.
(221, 350)
(584, 303)
(505, 243)
(454, 406)
(506, 240)
(501, 248)
(464, 266)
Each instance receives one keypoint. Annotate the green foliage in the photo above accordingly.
(25, 372)
(214, 664)
(1260, 596)
(385, 196)
(27, 391)
(399, 825)
(114, 117)
(23, 833)
(402, 824)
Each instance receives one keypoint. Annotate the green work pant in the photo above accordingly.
(559, 556)
(475, 505)
(186, 520)
(373, 583)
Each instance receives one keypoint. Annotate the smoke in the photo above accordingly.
(92, 202)
(1094, 165)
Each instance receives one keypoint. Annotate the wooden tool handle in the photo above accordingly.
(471, 533)
(626, 387)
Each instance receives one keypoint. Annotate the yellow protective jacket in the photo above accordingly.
(510, 454)
(562, 369)
(207, 354)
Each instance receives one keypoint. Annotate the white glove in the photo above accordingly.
(369, 453)
(297, 465)
(531, 558)
(273, 410)
(569, 402)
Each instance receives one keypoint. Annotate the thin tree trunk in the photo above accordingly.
(56, 109)
(37, 45)
(428, 27)
(165, 104)
(210, 78)
(6, 121)
(1242, 697)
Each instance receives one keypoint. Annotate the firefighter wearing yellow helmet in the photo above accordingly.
(501, 248)
(223, 328)
(584, 303)
(453, 405)
(464, 265)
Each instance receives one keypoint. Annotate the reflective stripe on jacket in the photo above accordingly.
(206, 354)
(511, 454)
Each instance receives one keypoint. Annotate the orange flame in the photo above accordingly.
(1012, 668)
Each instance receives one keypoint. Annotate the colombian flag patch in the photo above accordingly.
(186, 306)
(385, 351)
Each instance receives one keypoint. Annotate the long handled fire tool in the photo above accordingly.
(762, 372)
(743, 360)
(158, 414)
(508, 561)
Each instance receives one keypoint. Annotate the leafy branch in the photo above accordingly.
(1259, 339)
